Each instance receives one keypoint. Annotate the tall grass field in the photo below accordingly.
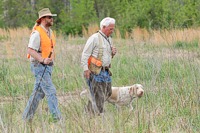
(166, 63)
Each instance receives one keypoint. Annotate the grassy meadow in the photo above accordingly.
(166, 63)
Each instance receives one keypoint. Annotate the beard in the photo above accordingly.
(50, 24)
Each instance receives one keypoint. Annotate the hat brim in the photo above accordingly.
(53, 15)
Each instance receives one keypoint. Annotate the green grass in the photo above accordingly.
(186, 45)
(170, 76)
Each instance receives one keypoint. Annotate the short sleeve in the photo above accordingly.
(34, 41)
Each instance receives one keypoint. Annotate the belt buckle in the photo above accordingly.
(104, 68)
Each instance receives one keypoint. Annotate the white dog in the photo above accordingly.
(123, 95)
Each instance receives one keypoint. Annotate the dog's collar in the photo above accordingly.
(132, 97)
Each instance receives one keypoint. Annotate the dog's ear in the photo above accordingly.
(131, 90)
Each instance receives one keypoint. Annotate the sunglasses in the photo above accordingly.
(49, 17)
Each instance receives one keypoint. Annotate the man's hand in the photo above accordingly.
(38, 56)
(114, 51)
(47, 60)
(87, 74)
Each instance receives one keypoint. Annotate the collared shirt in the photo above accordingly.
(92, 48)
(34, 41)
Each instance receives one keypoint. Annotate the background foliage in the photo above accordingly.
(73, 14)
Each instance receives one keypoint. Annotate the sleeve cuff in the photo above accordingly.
(85, 68)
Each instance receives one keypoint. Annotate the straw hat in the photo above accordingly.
(44, 12)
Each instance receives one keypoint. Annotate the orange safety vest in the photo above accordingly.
(46, 44)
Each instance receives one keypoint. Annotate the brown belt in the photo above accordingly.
(50, 64)
(105, 68)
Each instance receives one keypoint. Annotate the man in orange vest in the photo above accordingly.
(41, 55)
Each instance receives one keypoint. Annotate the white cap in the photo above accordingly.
(107, 21)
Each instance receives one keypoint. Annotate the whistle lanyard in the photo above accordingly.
(107, 39)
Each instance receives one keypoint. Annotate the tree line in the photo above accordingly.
(73, 14)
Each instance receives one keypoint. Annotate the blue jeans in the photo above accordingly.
(41, 88)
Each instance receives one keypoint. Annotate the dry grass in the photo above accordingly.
(166, 37)
(11, 39)
(92, 28)
(155, 37)
(15, 42)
